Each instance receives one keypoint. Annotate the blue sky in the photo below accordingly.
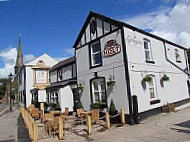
(56, 23)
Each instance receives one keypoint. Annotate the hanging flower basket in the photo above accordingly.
(165, 78)
(80, 87)
(111, 82)
(147, 78)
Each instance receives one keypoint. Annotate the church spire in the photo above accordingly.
(19, 60)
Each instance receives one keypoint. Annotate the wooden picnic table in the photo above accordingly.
(48, 122)
(85, 113)
(55, 112)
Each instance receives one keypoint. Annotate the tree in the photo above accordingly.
(3, 84)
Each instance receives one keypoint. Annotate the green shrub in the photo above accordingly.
(79, 105)
(165, 78)
(96, 105)
(147, 78)
(112, 107)
(80, 87)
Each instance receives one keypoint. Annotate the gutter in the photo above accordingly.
(127, 77)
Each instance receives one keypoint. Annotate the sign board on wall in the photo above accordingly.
(41, 95)
(41, 76)
(111, 48)
(133, 42)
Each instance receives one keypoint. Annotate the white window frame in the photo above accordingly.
(149, 50)
(92, 54)
(177, 55)
(100, 91)
(154, 87)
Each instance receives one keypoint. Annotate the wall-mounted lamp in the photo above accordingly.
(95, 74)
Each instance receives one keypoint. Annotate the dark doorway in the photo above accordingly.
(188, 85)
(75, 98)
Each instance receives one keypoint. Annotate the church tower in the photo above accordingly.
(19, 59)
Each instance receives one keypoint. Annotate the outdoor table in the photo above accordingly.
(55, 112)
(86, 113)
(48, 122)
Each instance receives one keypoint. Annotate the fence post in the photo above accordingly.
(107, 121)
(122, 117)
(35, 132)
(60, 129)
(89, 124)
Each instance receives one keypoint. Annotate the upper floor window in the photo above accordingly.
(60, 77)
(96, 58)
(147, 50)
(177, 55)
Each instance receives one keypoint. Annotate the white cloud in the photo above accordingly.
(170, 23)
(28, 58)
(68, 52)
(8, 56)
(60, 58)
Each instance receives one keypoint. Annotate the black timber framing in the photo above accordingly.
(116, 22)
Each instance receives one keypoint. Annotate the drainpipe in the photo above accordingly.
(127, 77)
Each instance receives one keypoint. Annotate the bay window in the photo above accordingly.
(98, 91)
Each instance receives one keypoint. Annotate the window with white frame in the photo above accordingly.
(60, 77)
(54, 97)
(98, 90)
(177, 55)
(96, 58)
(152, 88)
(147, 50)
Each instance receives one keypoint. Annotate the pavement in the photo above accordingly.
(8, 126)
(164, 127)
(2, 107)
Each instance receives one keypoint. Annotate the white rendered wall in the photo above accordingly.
(49, 61)
(29, 85)
(172, 91)
(113, 65)
(66, 98)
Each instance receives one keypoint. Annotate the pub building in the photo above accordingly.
(33, 79)
(63, 88)
(139, 71)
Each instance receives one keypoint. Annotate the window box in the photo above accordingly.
(154, 102)
(152, 62)
(98, 105)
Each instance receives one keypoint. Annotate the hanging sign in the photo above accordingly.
(111, 48)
